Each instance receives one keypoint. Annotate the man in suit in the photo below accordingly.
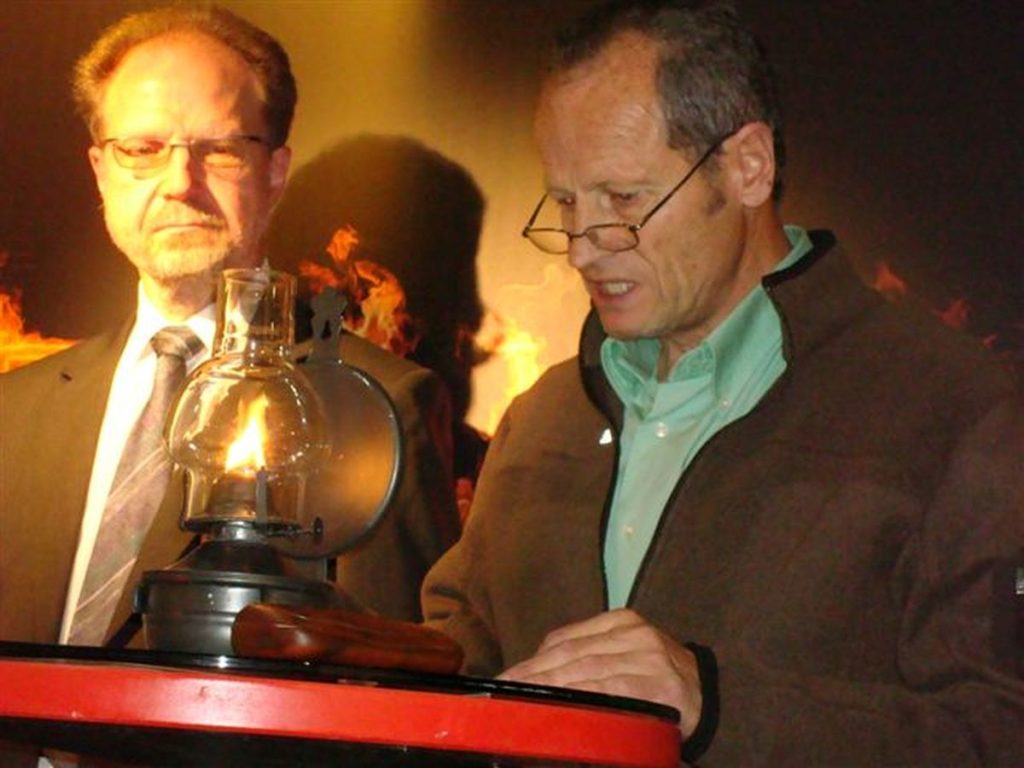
(189, 110)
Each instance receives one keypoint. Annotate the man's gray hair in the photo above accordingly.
(713, 76)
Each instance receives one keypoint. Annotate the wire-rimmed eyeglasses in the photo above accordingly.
(228, 153)
(615, 236)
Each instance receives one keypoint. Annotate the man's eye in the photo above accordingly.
(565, 202)
(227, 153)
(623, 198)
(229, 148)
(141, 148)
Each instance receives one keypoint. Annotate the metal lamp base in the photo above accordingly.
(191, 606)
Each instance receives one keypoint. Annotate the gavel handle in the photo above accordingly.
(335, 636)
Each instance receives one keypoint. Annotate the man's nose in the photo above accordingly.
(182, 172)
(582, 252)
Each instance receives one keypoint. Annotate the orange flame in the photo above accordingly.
(19, 347)
(521, 352)
(894, 288)
(376, 309)
(888, 283)
(246, 452)
(955, 315)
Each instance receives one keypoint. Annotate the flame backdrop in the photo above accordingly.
(903, 133)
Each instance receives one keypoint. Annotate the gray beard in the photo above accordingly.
(187, 254)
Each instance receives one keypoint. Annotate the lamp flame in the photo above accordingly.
(246, 452)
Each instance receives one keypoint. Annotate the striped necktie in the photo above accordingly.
(136, 492)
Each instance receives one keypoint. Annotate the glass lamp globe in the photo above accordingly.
(248, 427)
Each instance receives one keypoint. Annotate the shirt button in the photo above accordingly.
(661, 430)
(628, 530)
(725, 402)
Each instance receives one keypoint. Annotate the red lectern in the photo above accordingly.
(145, 708)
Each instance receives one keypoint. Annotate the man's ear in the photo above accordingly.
(99, 167)
(280, 162)
(755, 148)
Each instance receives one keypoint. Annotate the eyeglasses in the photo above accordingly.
(225, 154)
(617, 236)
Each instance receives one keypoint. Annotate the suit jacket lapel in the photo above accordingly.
(54, 412)
(76, 407)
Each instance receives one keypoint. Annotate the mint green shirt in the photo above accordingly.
(667, 422)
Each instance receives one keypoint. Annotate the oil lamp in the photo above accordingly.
(285, 465)
(249, 428)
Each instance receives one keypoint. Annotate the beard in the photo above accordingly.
(167, 255)
(171, 254)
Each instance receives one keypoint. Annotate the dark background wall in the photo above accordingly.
(903, 130)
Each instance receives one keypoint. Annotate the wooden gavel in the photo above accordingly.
(335, 636)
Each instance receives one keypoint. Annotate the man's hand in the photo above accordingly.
(617, 653)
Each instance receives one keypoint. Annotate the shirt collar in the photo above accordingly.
(728, 354)
(149, 319)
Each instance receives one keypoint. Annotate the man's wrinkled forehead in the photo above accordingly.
(627, 56)
(607, 99)
(625, 67)
(161, 56)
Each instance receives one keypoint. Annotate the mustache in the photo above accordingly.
(181, 213)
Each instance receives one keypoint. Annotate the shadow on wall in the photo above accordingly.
(416, 213)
